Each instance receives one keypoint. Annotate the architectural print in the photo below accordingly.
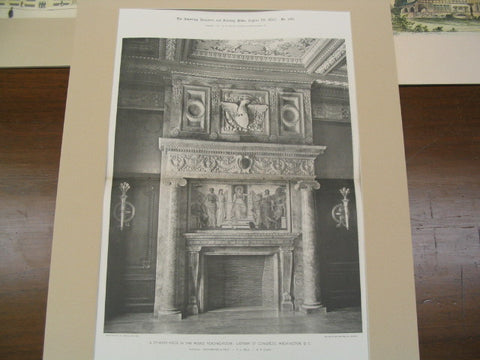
(435, 15)
(236, 155)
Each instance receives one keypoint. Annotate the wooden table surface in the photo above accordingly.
(442, 145)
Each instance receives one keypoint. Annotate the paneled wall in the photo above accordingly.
(338, 246)
(132, 249)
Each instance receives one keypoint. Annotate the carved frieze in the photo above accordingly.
(273, 50)
(230, 164)
(205, 159)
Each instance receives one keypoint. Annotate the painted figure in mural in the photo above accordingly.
(239, 204)
(211, 207)
(256, 209)
(221, 207)
(279, 208)
(266, 211)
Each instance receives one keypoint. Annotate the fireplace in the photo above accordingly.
(235, 269)
(236, 281)
(236, 201)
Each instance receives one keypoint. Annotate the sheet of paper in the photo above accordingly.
(316, 47)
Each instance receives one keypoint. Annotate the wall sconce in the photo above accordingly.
(124, 211)
(340, 213)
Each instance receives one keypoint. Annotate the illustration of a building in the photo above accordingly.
(439, 8)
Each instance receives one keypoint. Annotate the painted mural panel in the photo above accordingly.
(237, 206)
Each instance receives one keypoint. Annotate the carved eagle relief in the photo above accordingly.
(241, 115)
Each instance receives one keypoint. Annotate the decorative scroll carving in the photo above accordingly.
(229, 163)
(203, 159)
(280, 166)
(175, 182)
(170, 49)
(307, 185)
(201, 163)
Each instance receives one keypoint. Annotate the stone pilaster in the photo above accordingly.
(311, 298)
(193, 283)
(286, 268)
(167, 296)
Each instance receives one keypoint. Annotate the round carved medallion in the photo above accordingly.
(244, 163)
(290, 116)
(195, 110)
